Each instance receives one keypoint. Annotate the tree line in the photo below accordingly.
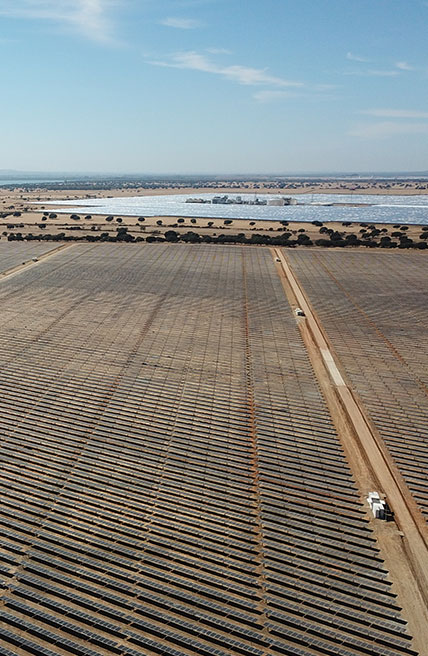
(332, 239)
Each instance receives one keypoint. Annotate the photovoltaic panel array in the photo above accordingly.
(171, 482)
(374, 308)
(17, 253)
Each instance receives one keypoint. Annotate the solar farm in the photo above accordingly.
(377, 322)
(173, 478)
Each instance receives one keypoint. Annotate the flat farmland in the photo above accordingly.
(374, 309)
(171, 480)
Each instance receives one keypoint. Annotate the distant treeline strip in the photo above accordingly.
(332, 239)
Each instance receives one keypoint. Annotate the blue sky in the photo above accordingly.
(214, 86)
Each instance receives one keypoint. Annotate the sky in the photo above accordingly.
(214, 86)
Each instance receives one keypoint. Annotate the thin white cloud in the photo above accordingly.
(317, 92)
(181, 23)
(379, 73)
(373, 73)
(245, 75)
(395, 113)
(88, 17)
(400, 65)
(404, 66)
(356, 58)
(387, 129)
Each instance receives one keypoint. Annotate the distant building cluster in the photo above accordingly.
(238, 200)
(281, 202)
